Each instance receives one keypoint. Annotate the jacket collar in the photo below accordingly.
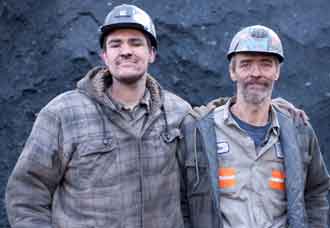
(99, 79)
(228, 117)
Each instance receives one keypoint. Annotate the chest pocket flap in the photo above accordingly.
(96, 146)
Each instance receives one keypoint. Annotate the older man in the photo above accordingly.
(248, 164)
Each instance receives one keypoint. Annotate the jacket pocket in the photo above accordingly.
(159, 152)
(96, 163)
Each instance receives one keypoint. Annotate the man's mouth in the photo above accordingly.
(255, 83)
(127, 63)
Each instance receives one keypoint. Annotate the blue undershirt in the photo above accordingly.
(257, 133)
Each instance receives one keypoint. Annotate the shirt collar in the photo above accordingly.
(229, 120)
(144, 101)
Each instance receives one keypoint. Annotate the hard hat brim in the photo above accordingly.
(279, 57)
(106, 29)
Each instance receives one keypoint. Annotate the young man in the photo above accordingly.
(103, 155)
(247, 164)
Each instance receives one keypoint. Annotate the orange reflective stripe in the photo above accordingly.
(277, 181)
(226, 172)
(278, 174)
(277, 185)
(226, 177)
(227, 183)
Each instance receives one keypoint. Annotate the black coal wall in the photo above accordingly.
(46, 46)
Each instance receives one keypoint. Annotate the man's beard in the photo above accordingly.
(257, 95)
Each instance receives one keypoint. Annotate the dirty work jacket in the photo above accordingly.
(83, 166)
(307, 180)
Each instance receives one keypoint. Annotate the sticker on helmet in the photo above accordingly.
(123, 13)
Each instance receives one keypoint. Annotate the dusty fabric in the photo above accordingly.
(307, 180)
(251, 180)
(84, 166)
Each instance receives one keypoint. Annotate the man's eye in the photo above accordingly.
(114, 45)
(137, 43)
(266, 64)
(245, 65)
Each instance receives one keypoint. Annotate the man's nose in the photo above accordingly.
(255, 70)
(126, 50)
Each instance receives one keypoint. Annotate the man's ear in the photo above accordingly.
(153, 54)
(232, 70)
(104, 57)
(277, 76)
(232, 73)
(278, 72)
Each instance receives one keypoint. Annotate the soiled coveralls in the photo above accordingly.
(251, 178)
